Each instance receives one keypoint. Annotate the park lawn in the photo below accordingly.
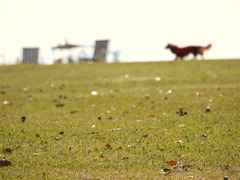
(121, 120)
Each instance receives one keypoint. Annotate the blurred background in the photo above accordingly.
(136, 30)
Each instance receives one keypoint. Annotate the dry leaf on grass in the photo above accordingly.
(199, 94)
(7, 103)
(102, 156)
(8, 150)
(166, 171)
(23, 118)
(131, 145)
(59, 105)
(94, 93)
(5, 162)
(181, 113)
(73, 112)
(157, 78)
(171, 162)
(151, 115)
(179, 141)
(108, 146)
(204, 136)
(208, 110)
(2, 92)
(149, 142)
(181, 125)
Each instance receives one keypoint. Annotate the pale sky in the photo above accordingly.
(139, 29)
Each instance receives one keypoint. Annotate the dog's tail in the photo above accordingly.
(207, 47)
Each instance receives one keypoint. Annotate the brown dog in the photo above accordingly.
(184, 51)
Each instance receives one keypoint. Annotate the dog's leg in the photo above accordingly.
(194, 57)
(202, 54)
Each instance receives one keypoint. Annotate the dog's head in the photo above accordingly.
(167, 47)
(170, 46)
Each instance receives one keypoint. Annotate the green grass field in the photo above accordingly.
(121, 121)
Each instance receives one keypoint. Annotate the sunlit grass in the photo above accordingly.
(128, 127)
